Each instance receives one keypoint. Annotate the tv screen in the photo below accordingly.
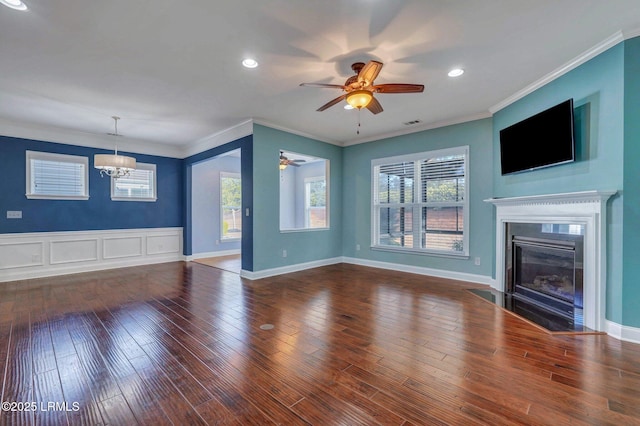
(543, 140)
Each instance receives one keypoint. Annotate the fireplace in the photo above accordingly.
(557, 212)
(544, 266)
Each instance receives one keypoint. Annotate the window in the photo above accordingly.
(304, 192)
(140, 185)
(231, 206)
(57, 176)
(420, 202)
(315, 202)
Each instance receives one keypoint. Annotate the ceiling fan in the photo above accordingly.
(284, 161)
(359, 88)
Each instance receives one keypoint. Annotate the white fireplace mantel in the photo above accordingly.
(588, 208)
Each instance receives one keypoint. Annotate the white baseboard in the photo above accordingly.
(622, 332)
(439, 273)
(220, 253)
(45, 254)
(289, 268)
(459, 276)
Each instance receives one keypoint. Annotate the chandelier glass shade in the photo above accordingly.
(114, 165)
(359, 98)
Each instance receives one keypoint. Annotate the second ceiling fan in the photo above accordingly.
(359, 88)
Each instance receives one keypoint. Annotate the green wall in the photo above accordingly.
(357, 195)
(597, 88)
(606, 94)
(268, 241)
(631, 223)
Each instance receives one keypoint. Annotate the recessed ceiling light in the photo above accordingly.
(456, 72)
(247, 62)
(347, 106)
(14, 4)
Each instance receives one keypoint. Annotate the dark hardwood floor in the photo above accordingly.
(182, 343)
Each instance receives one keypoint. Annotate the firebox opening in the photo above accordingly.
(544, 267)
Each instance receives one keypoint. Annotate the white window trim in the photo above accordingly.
(418, 204)
(154, 198)
(233, 176)
(49, 156)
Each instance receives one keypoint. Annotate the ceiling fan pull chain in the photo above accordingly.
(358, 129)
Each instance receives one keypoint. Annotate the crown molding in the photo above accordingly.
(564, 69)
(295, 132)
(38, 132)
(416, 129)
(230, 134)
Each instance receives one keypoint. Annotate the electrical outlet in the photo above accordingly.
(14, 214)
(284, 253)
(357, 247)
(477, 261)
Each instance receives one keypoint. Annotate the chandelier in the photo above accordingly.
(114, 165)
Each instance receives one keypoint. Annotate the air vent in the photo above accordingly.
(411, 123)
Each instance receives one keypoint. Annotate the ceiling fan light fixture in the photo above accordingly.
(359, 98)
(456, 72)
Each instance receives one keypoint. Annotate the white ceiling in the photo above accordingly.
(172, 69)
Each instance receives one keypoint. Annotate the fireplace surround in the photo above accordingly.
(586, 210)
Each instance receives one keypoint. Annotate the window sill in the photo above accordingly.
(433, 253)
(56, 197)
(144, 200)
(289, 231)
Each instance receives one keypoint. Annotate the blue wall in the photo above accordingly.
(597, 88)
(357, 195)
(191, 190)
(96, 213)
(206, 208)
(301, 246)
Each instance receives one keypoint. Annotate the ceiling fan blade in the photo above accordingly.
(374, 106)
(369, 72)
(323, 85)
(399, 88)
(291, 163)
(331, 103)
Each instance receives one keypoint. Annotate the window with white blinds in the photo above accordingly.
(420, 202)
(56, 176)
(139, 185)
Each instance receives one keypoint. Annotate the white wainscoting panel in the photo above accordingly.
(21, 254)
(42, 254)
(73, 250)
(163, 244)
(115, 248)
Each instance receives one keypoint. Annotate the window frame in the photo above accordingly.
(139, 166)
(327, 177)
(55, 157)
(418, 203)
(232, 175)
(307, 200)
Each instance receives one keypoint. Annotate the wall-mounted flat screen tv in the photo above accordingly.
(543, 140)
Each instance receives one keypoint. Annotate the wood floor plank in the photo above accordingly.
(182, 343)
